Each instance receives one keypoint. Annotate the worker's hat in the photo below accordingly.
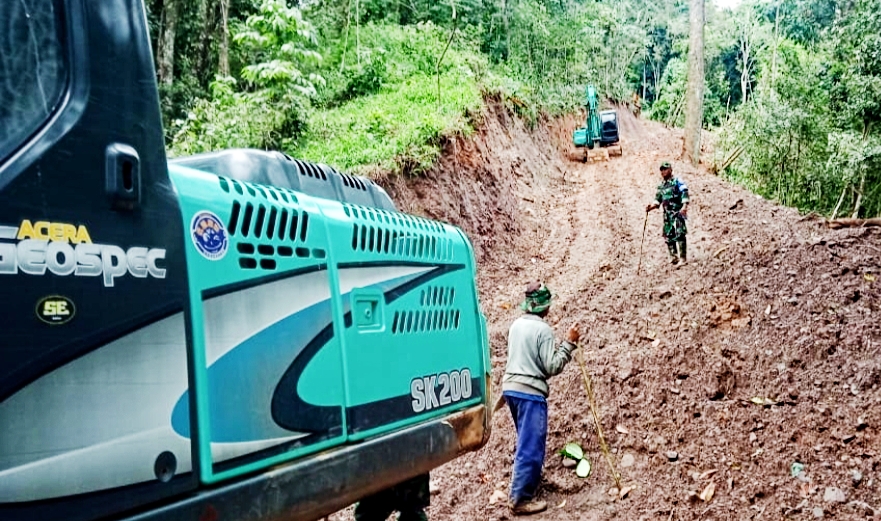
(538, 298)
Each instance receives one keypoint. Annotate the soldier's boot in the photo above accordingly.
(683, 251)
(671, 246)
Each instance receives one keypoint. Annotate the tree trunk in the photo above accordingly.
(166, 42)
(840, 201)
(204, 68)
(657, 74)
(223, 65)
(694, 111)
(507, 29)
(856, 206)
(643, 77)
(774, 56)
(358, 31)
(346, 38)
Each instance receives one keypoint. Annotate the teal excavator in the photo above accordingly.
(600, 128)
(238, 335)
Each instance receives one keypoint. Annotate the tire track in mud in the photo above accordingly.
(585, 245)
(600, 215)
(609, 212)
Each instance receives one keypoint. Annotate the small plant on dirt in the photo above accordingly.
(574, 451)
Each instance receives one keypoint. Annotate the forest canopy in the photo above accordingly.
(792, 88)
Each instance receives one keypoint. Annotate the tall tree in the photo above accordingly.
(223, 65)
(750, 42)
(694, 108)
(166, 42)
(208, 24)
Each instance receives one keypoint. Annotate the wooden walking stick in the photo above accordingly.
(591, 401)
(644, 223)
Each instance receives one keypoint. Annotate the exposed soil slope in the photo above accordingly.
(770, 306)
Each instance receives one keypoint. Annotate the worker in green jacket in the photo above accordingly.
(533, 357)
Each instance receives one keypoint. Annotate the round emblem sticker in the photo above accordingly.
(209, 235)
(55, 310)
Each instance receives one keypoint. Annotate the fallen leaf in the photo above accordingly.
(758, 401)
(869, 277)
(768, 310)
(622, 429)
(506, 305)
(720, 250)
(708, 492)
(656, 343)
(624, 492)
(561, 505)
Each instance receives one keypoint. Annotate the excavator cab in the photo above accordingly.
(234, 335)
(609, 127)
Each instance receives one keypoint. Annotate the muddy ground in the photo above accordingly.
(763, 351)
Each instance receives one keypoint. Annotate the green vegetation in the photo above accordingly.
(378, 84)
(386, 112)
(397, 128)
(807, 134)
(792, 87)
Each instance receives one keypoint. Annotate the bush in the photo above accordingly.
(271, 112)
(232, 119)
(397, 129)
(387, 114)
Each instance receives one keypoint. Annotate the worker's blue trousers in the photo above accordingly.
(530, 413)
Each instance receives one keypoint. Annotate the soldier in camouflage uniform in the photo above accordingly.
(410, 498)
(672, 196)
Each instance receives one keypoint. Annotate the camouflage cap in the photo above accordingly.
(665, 165)
(538, 298)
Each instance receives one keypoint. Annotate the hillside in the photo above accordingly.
(771, 306)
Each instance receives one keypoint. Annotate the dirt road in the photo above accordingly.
(771, 307)
(678, 353)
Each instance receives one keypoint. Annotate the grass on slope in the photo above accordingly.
(395, 129)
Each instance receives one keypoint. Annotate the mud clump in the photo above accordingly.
(727, 312)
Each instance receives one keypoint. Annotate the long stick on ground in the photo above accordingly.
(644, 223)
(591, 400)
(853, 223)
